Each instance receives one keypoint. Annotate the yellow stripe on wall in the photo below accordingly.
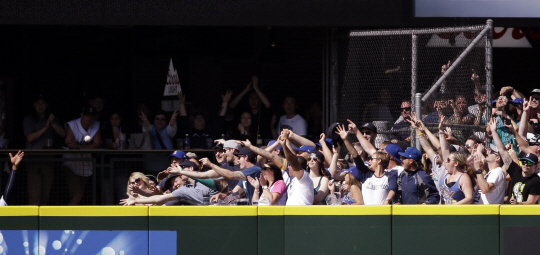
(103, 211)
(271, 210)
(520, 209)
(445, 209)
(19, 210)
(339, 210)
(247, 210)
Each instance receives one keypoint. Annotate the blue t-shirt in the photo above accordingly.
(254, 171)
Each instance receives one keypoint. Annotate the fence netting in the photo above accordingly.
(376, 73)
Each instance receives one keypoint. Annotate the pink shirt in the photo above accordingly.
(280, 187)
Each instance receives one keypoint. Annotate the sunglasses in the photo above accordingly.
(408, 109)
(534, 144)
(366, 132)
(468, 146)
(448, 160)
(313, 158)
(372, 159)
(162, 119)
(536, 98)
(526, 163)
(136, 181)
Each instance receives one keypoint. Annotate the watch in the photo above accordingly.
(265, 187)
(479, 171)
(387, 199)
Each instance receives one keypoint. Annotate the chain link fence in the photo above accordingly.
(382, 70)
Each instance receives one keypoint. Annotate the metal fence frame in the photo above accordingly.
(416, 98)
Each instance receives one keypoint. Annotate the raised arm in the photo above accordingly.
(238, 98)
(325, 150)
(276, 159)
(182, 103)
(226, 98)
(445, 151)
(507, 160)
(300, 140)
(524, 123)
(193, 174)
(264, 100)
(368, 147)
(294, 165)
(156, 200)
(339, 176)
(345, 137)
(172, 128)
(226, 173)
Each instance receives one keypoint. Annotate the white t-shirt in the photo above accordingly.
(297, 123)
(301, 192)
(286, 177)
(375, 189)
(497, 177)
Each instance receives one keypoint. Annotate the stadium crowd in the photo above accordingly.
(346, 165)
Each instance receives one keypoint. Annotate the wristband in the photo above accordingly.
(420, 134)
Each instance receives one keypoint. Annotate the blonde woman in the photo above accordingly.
(139, 185)
(457, 185)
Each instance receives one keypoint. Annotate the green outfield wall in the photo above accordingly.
(403, 229)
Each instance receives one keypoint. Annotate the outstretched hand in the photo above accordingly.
(227, 96)
(245, 143)
(342, 132)
(181, 98)
(352, 127)
(128, 201)
(16, 160)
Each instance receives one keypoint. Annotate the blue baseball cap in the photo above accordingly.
(412, 153)
(178, 154)
(517, 101)
(328, 142)
(393, 150)
(272, 142)
(306, 148)
(354, 171)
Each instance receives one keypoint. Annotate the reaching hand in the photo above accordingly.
(352, 127)
(441, 122)
(16, 160)
(475, 77)
(206, 162)
(322, 138)
(331, 187)
(174, 115)
(245, 143)
(143, 117)
(227, 96)
(527, 105)
(129, 201)
(341, 132)
(335, 150)
(285, 133)
(444, 68)
(215, 198)
(181, 98)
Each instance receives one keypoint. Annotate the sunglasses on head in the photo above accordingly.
(406, 109)
(526, 163)
(136, 180)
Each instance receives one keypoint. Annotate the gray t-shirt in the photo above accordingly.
(30, 126)
(193, 193)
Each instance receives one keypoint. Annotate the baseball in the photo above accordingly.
(87, 138)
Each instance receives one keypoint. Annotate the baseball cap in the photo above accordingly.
(412, 153)
(354, 171)
(393, 150)
(328, 142)
(178, 154)
(190, 164)
(529, 157)
(331, 132)
(247, 152)
(454, 148)
(532, 138)
(517, 101)
(166, 184)
(317, 154)
(369, 126)
(232, 144)
(535, 91)
(403, 145)
(89, 110)
(306, 148)
(217, 145)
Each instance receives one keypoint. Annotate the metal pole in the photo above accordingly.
(414, 57)
(489, 68)
(418, 109)
(456, 63)
(334, 76)
(415, 31)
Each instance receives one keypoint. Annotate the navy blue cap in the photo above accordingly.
(178, 154)
(529, 157)
(189, 163)
(354, 171)
(317, 154)
(328, 142)
(393, 150)
(247, 152)
(412, 153)
(306, 148)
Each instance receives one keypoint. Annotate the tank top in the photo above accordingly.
(451, 195)
(316, 190)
